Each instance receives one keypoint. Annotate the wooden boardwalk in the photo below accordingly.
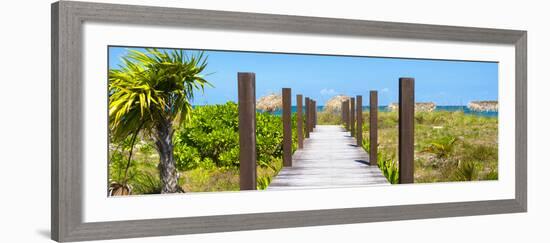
(330, 158)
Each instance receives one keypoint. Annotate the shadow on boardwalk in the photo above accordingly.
(330, 158)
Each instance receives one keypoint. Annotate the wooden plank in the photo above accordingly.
(359, 133)
(406, 130)
(299, 121)
(352, 117)
(330, 158)
(247, 130)
(373, 127)
(287, 127)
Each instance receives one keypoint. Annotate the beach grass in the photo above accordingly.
(449, 146)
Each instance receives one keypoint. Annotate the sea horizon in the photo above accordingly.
(385, 108)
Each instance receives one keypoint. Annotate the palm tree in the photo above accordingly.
(150, 93)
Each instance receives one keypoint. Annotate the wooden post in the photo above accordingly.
(406, 130)
(314, 114)
(299, 121)
(373, 128)
(311, 114)
(316, 111)
(352, 117)
(307, 117)
(343, 113)
(359, 133)
(287, 127)
(346, 114)
(247, 130)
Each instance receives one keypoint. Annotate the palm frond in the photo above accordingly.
(153, 85)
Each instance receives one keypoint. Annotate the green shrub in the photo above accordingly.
(492, 175)
(466, 171)
(329, 118)
(146, 183)
(262, 182)
(366, 145)
(212, 132)
(386, 120)
(117, 166)
(389, 168)
(269, 138)
(212, 136)
(186, 157)
(442, 148)
(480, 152)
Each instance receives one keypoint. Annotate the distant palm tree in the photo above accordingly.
(150, 93)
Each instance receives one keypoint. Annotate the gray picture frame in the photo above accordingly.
(67, 119)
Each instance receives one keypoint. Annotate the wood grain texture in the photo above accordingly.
(521, 121)
(352, 116)
(55, 218)
(300, 120)
(406, 130)
(308, 114)
(311, 115)
(373, 127)
(287, 127)
(346, 115)
(359, 133)
(247, 130)
(67, 147)
(315, 121)
(343, 114)
(329, 159)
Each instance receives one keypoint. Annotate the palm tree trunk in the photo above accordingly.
(167, 165)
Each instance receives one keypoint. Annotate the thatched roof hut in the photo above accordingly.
(483, 106)
(335, 103)
(418, 106)
(270, 103)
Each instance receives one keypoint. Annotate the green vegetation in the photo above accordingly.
(329, 118)
(206, 152)
(159, 143)
(449, 146)
(149, 95)
(389, 168)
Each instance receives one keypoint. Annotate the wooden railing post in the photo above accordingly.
(359, 133)
(346, 114)
(343, 113)
(406, 130)
(373, 128)
(348, 118)
(287, 127)
(247, 130)
(352, 117)
(314, 113)
(311, 115)
(307, 117)
(299, 121)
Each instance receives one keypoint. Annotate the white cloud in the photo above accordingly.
(326, 91)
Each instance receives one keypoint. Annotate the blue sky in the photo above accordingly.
(321, 76)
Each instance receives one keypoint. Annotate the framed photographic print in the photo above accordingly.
(160, 114)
